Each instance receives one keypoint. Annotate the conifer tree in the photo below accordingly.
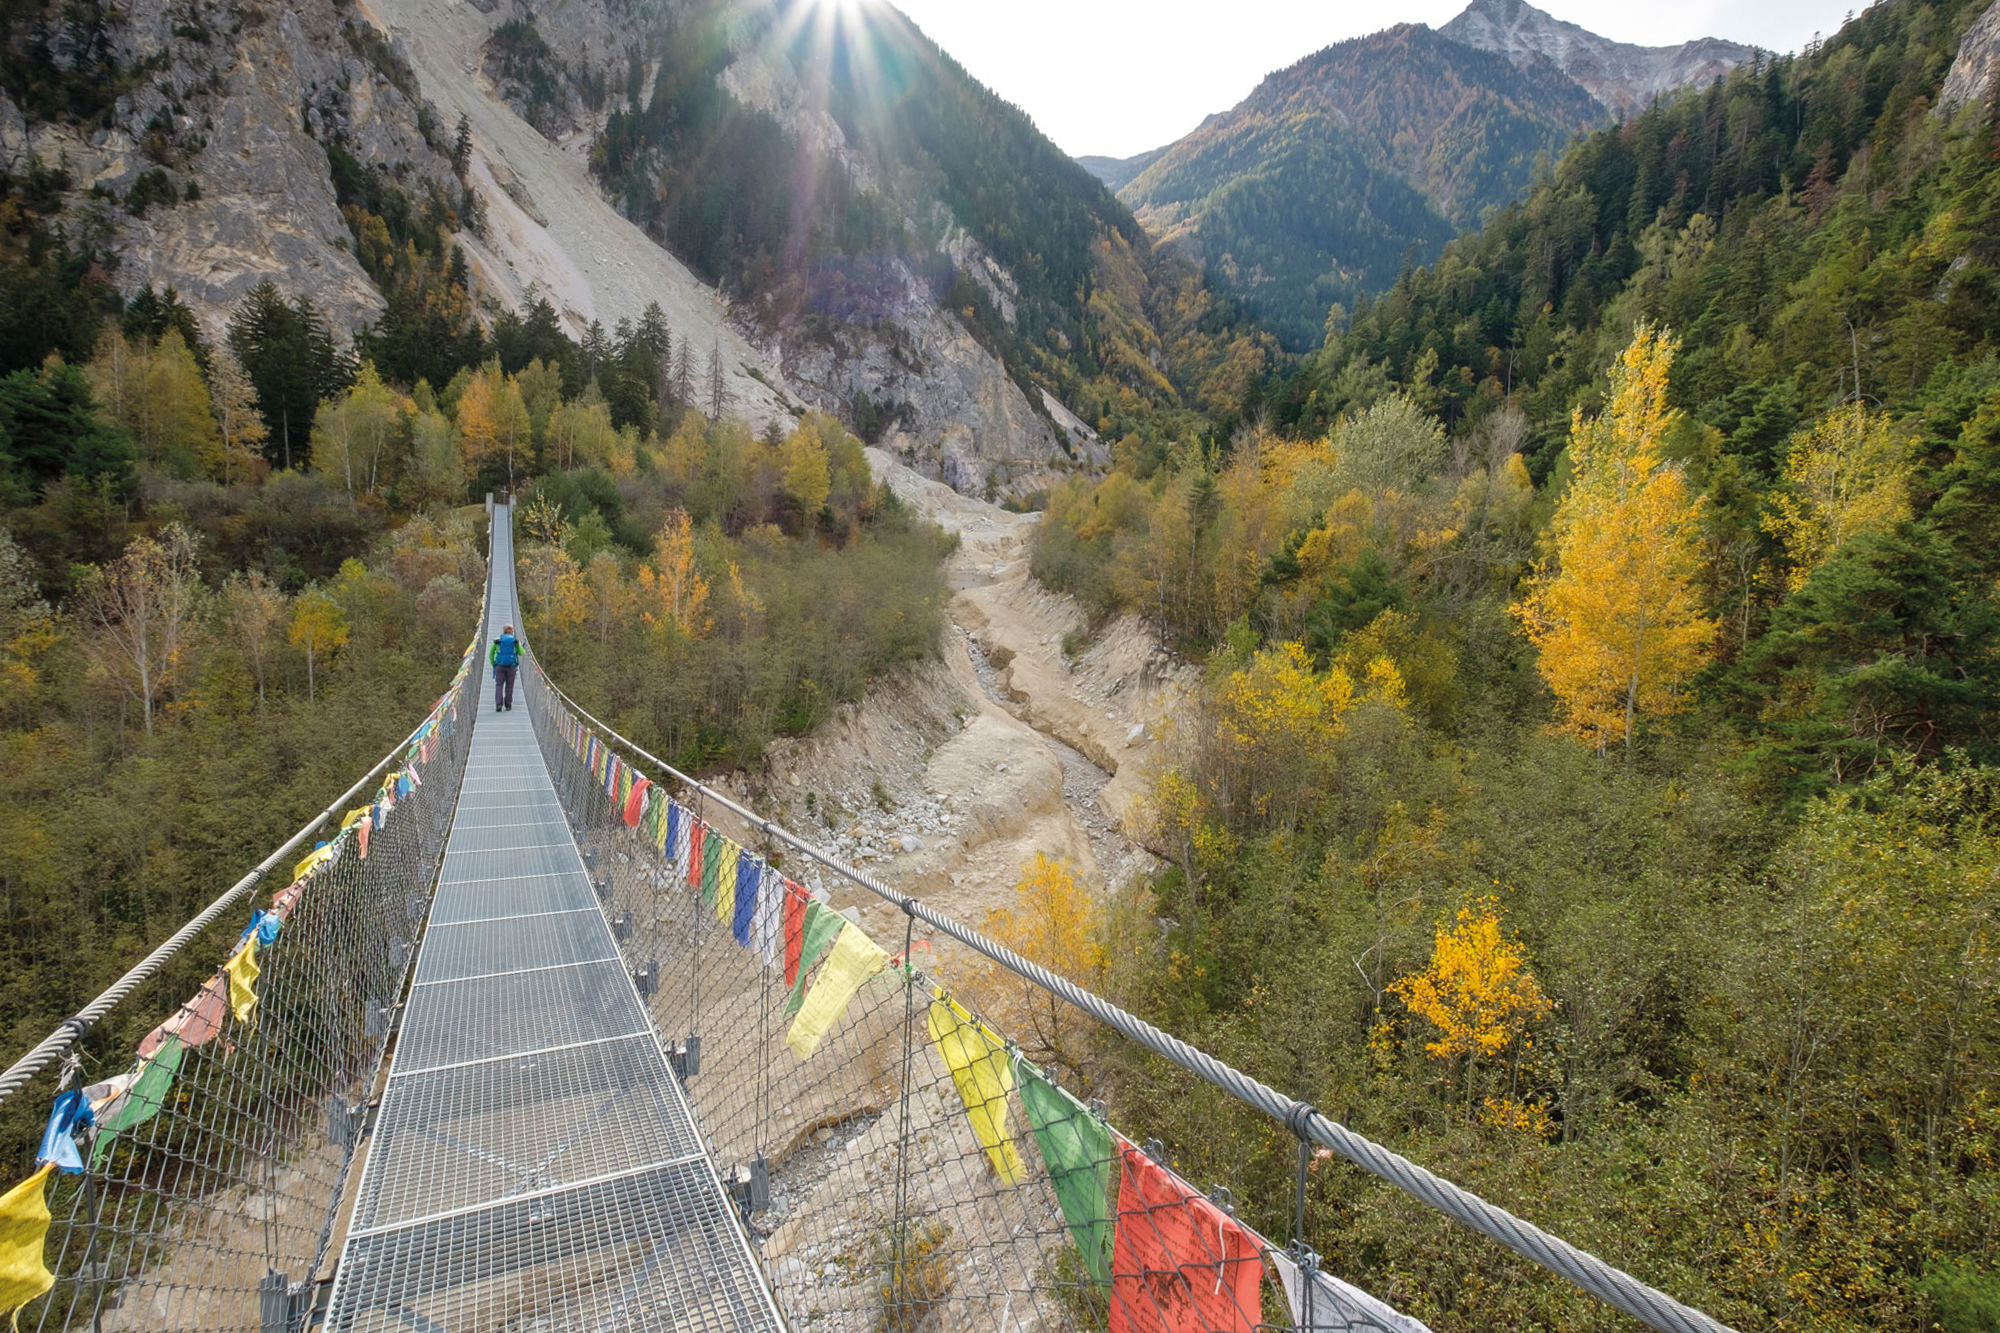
(1613, 607)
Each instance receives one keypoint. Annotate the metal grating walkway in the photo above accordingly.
(534, 1164)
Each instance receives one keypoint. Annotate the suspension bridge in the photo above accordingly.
(543, 1034)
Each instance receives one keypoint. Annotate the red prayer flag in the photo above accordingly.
(195, 1022)
(635, 804)
(695, 829)
(795, 930)
(1179, 1264)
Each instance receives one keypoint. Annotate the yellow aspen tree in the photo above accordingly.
(1477, 993)
(1614, 606)
(319, 626)
(143, 610)
(253, 610)
(513, 430)
(180, 408)
(235, 405)
(1057, 922)
(807, 479)
(478, 418)
(673, 593)
(1848, 474)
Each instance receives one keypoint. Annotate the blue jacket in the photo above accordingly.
(506, 651)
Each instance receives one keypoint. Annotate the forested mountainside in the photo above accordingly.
(1343, 167)
(1592, 789)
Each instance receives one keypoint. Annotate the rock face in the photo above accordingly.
(549, 231)
(241, 112)
(1621, 76)
(1971, 79)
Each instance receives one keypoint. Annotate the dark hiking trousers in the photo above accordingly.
(503, 686)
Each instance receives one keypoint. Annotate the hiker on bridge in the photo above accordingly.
(506, 659)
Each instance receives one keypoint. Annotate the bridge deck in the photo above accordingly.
(534, 1163)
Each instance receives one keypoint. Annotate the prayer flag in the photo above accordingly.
(70, 1113)
(242, 971)
(769, 926)
(822, 926)
(652, 824)
(854, 959)
(24, 1231)
(749, 874)
(1179, 1264)
(635, 802)
(670, 828)
(285, 899)
(1076, 1147)
(1328, 1305)
(195, 1022)
(711, 861)
(692, 861)
(352, 816)
(139, 1100)
(984, 1076)
(727, 857)
(362, 829)
(795, 930)
(311, 863)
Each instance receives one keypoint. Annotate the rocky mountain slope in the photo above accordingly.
(1618, 74)
(1975, 73)
(932, 280)
(1338, 170)
(1322, 182)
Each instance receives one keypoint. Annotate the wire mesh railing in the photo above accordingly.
(201, 1188)
(901, 1162)
(903, 1165)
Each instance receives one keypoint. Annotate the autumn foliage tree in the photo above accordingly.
(1848, 474)
(1614, 607)
(1056, 922)
(319, 625)
(1477, 995)
(143, 609)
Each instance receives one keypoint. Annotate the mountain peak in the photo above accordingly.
(1620, 75)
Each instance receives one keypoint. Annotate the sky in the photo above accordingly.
(1116, 77)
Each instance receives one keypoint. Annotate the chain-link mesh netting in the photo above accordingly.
(910, 1171)
(211, 1186)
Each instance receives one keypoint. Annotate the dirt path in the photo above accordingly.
(948, 780)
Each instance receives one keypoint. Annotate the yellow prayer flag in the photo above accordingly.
(725, 882)
(853, 959)
(353, 815)
(307, 866)
(24, 1230)
(243, 970)
(984, 1075)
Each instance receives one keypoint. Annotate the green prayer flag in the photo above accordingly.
(143, 1100)
(711, 865)
(821, 929)
(1076, 1147)
(652, 820)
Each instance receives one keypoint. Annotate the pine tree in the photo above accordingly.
(718, 391)
(289, 354)
(1614, 608)
(461, 148)
(684, 374)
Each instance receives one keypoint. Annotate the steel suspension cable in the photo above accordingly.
(1612, 1285)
